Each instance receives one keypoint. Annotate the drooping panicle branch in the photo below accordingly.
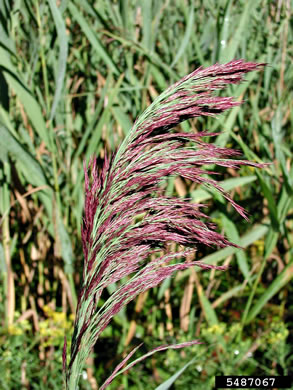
(128, 218)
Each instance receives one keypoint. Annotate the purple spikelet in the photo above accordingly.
(127, 218)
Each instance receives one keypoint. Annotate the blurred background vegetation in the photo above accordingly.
(74, 76)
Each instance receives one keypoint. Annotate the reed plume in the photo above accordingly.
(127, 217)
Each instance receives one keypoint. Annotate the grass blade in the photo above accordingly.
(232, 234)
(146, 10)
(229, 52)
(92, 37)
(169, 382)
(63, 52)
(228, 185)
(281, 280)
(26, 98)
(28, 164)
(249, 238)
(208, 309)
(97, 133)
(187, 35)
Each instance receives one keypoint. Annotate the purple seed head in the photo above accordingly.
(127, 217)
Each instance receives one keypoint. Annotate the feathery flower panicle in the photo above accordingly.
(127, 217)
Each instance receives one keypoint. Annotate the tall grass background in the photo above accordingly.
(74, 76)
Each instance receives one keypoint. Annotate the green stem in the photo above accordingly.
(73, 379)
(8, 274)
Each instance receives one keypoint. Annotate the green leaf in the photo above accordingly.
(122, 119)
(232, 234)
(268, 194)
(146, 10)
(281, 280)
(92, 37)
(169, 382)
(279, 145)
(209, 312)
(27, 163)
(228, 122)
(28, 101)
(187, 35)
(163, 287)
(228, 185)
(104, 120)
(238, 35)
(63, 51)
(249, 238)
(91, 126)
(234, 291)
(66, 248)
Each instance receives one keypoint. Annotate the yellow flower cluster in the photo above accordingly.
(18, 328)
(52, 329)
(216, 329)
(233, 330)
(278, 334)
(15, 329)
(259, 245)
